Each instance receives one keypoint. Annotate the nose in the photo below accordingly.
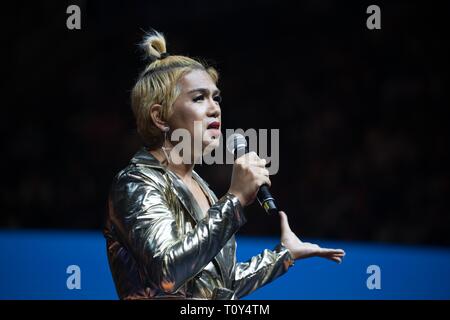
(214, 108)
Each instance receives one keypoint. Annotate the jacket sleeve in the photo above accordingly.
(260, 270)
(142, 217)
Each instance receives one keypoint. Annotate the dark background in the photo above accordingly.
(364, 135)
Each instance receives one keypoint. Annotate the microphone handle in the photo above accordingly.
(266, 200)
(264, 196)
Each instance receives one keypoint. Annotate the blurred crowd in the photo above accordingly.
(364, 135)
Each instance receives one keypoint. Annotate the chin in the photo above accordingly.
(210, 144)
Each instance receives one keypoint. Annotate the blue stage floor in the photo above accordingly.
(33, 265)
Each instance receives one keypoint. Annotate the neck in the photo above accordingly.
(184, 171)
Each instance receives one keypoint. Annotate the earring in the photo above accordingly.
(163, 148)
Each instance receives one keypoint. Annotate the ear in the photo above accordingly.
(155, 114)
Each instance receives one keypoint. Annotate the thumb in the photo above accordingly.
(284, 222)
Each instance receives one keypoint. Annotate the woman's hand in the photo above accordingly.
(249, 173)
(301, 250)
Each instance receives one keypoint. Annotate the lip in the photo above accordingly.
(214, 125)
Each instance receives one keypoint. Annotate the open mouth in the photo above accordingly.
(214, 125)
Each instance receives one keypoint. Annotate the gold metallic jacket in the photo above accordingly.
(161, 245)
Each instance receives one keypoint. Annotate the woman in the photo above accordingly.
(168, 236)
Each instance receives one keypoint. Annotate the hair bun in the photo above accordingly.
(154, 45)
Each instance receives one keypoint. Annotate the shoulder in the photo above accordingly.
(139, 172)
(136, 179)
(134, 192)
(143, 168)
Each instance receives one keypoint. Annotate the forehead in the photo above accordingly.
(196, 79)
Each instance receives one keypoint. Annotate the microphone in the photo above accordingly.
(237, 145)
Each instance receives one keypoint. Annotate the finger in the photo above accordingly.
(253, 160)
(253, 156)
(264, 180)
(324, 253)
(262, 163)
(335, 259)
(332, 251)
(264, 172)
(248, 159)
(340, 251)
(261, 171)
(341, 258)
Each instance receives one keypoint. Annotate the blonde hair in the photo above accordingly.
(158, 84)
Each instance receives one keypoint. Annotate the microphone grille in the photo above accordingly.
(235, 142)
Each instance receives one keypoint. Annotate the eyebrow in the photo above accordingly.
(205, 91)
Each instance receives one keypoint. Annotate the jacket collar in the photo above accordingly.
(144, 157)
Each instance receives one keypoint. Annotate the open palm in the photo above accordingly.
(302, 250)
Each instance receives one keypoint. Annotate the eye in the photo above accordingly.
(218, 99)
(198, 98)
